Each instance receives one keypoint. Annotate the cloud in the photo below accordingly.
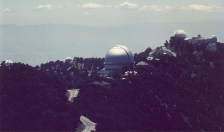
(202, 7)
(47, 7)
(94, 6)
(167, 7)
(156, 8)
(6, 10)
(127, 5)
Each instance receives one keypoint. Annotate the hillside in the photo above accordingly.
(183, 93)
(32, 101)
(170, 94)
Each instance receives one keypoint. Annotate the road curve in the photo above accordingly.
(89, 125)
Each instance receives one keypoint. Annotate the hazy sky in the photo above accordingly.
(106, 13)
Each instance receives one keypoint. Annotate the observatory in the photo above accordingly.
(68, 59)
(8, 63)
(179, 42)
(200, 39)
(180, 34)
(117, 58)
(178, 37)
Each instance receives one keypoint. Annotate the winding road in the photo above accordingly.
(89, 125)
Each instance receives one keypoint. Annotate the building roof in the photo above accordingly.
(118, 55)
(213, 36)
(142, 63)
(8, 63)
(202, 38)
(68, 59)
(168, 51)
(180, 34)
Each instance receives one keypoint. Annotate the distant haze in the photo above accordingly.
(38, 31)
(36, 44)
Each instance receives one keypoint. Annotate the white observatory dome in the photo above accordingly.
(213, 36)
(8, 63)
(68, 59)
(180, 34)
(117, 57)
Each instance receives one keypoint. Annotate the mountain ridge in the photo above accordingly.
(62, 40)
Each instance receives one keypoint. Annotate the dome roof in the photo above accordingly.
(180, 34)
(68, 59)
(213, 36)
(117, 57)
(8, 63)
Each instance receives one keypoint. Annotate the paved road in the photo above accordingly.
(89, 125)
(72, 94)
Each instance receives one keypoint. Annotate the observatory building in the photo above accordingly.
(179, 35)
(68, 59)
(8, 63)
(117, 58)
(199, 39)
(179, 42)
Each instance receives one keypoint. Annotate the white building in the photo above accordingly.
(116, 59)
(68, 59)
(8, 63)
(163, 51)
(180, 34)
(199, 39)
(180, 37)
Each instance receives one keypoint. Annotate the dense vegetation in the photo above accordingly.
(170, 94)
(30, 101)
(183, 93)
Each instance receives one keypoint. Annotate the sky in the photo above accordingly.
(108, 13)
